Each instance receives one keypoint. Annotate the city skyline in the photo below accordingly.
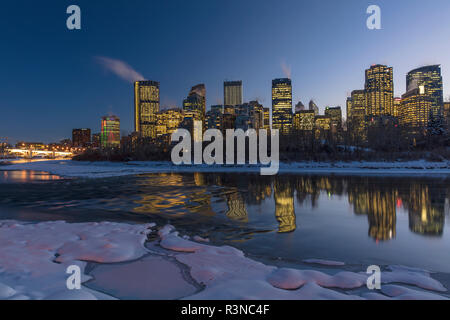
(89, 93)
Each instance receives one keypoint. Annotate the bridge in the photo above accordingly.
(30, 153)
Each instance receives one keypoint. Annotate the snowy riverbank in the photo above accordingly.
(69, 168)
(117, 261)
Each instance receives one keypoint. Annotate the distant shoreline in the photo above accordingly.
(81, 169)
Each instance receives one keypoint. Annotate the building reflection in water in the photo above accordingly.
(378, 202)
(426, 201)
(426, 210)
(236, 207)
(284, 204)
(168, 194)
(23, 176)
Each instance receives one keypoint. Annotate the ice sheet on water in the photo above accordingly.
(35, 257)
(69, 168)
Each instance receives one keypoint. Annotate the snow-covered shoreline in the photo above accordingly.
(35, 257)
(69, 168)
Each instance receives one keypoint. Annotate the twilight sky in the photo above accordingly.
(53, 79)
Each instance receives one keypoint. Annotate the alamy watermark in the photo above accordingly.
(374, 279)
(374, 20)
(213, 152)
(73, 282)
(73, 22)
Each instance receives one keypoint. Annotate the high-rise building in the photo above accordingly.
(446, 114)
(96, 137)
(266, 118)
(304, 120)
(431, 79)
(195, 104)
(168, 121)
(110, 132)
(214, 117)
(349, 108)
(322, 126)
(335, 114)
(243, 120)
(379, 88)
(81, 137)
(312, 106)
(415, 108)
(397, 105)
(232, 93)
(282, 105)
(356, 119)
(228, 122)
(146, 106)
(256, 115)
(299, 106)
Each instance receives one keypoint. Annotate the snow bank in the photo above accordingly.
(34, 259)
(68, 168)
(227, 274)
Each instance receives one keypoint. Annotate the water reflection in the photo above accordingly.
(380, 199)
(23, 176)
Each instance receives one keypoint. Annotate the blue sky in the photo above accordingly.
(51, 80)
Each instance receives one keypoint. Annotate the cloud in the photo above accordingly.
(120, 69)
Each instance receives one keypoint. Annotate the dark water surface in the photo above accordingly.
(359, 220)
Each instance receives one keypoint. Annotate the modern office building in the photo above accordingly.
(256, 115)
(431, 79)
(379, 89)
(397, 105)
(214, 117)
(266, 118)
(335, 114)
(304, 120)
(415, 108)
(282, 105)
(146, 106)
(349, 108)
(194, 106)
(96, 137)
(299, 106)
(446, 114)
(322, 126)
(312, 106)
(356, 118)
(232, 93)
(110, 132)
(168, 121)
(81, 137)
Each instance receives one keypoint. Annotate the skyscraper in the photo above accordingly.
(415, 108)
(110, 132)
(299, 106)
(379, 89)
(81, 137)
(431, 79)
(232, 93)
(335, 114)
(304, 120)
(397, 105)
(195, 104)
(168, 121)
(313, 107)
(282, 105)
(357, 116)
(266, 118)
(146, 106)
